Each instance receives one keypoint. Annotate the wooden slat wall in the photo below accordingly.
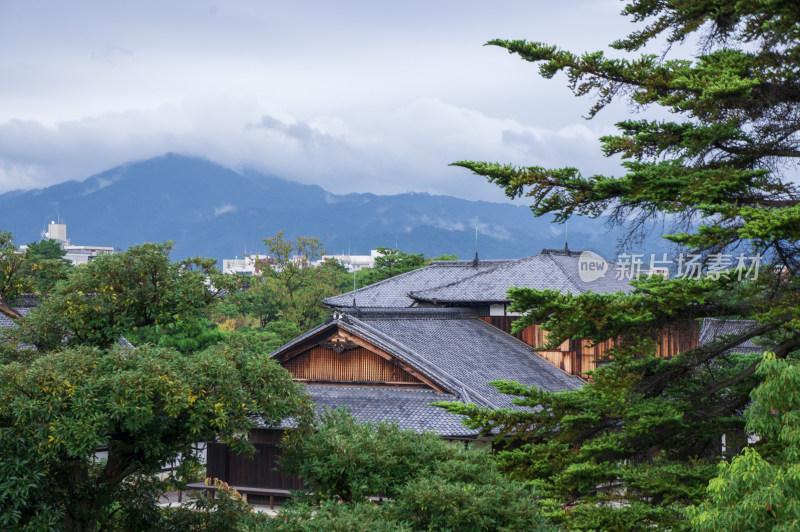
(579, 356)
(217, 461)
(322, 364)
(259, 471)
(678, 337)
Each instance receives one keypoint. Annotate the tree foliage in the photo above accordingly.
(388, 263)
(283, 299)
(430, 484)
(45, 265)
(146, 406)
(12, 282)
(140, 293)
(634, 445)
(760, 489)
(341, 457)
(295, 286)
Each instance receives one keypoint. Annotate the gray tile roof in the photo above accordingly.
(408, 408)
(552, 269)
(469, 351)
(393, 292)
(712, 328)
(452, 347)
(8, 323)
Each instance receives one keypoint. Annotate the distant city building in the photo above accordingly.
(247, 265)
(250, 264)
(353, 262)
(57, 232)
(75, 254)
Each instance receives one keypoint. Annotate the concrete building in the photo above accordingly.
(353, 263)
(75, 254)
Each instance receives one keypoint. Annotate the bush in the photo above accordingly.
(467, 493)
(330, 516)
(343, 458)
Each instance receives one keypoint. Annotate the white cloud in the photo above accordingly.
(405, 148)
(224, 209)
(353, 95)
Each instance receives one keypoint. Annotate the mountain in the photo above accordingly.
(216, 212)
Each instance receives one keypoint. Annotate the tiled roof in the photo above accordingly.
(712, 328)
(552, 269)
(452, 347)
(408, 408)
(469, 351)
(393, 292)
(8, 323)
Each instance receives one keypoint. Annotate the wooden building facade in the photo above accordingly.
(576, 357)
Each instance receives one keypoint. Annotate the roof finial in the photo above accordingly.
(475, 260)
(566, 235)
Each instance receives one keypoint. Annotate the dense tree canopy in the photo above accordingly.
(388, 263)
(12, 282)
(140, 293)
(80, 392)
(283, 299)
(754, 493)
(425, 483)
(296, 287)
(45, 265)
(723, 172)
(146, 406)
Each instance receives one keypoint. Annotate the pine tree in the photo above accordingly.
(629, 450)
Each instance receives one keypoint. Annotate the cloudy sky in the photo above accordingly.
(350, 95)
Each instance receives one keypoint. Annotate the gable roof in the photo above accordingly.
(393, 292)
(552, 269)
(457, 351)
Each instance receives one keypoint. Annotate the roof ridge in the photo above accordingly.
(410, 312)
(465, 279)
(566, 273)
(385, 281)
(453, 283)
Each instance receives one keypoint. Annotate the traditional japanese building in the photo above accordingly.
(390, 365)
(437, 334)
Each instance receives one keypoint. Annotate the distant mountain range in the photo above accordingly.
(216, 212)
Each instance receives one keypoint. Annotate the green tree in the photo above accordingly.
(46, 249)
(760, 489)
(341, 457)
(329, 516)
(442, 257)
(12, 281)
(295, 286)
(389, 263)
(46, 265)
(721, 171)
(147, 406)
(429, 484)
(139, 293)
(467, 492)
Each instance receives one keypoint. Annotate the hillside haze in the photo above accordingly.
(216, 212)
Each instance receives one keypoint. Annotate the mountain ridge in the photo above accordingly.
(214, 211)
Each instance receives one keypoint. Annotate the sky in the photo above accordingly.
(354, 96)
